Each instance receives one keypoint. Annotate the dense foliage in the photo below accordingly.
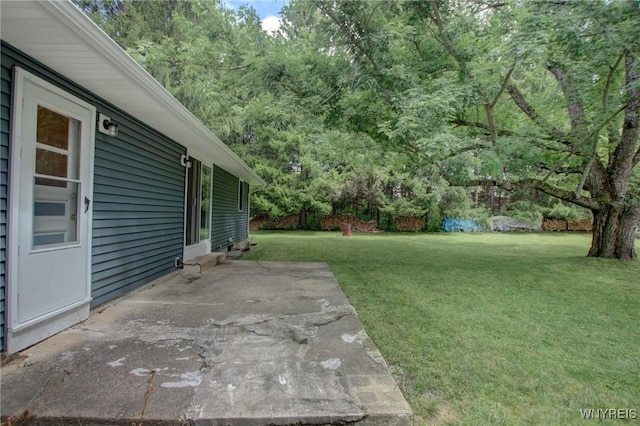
(432, 108)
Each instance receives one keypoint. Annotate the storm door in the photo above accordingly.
(52, 220)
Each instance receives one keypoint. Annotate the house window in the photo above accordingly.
(240, 196)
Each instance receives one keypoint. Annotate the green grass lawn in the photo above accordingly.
(489, 328)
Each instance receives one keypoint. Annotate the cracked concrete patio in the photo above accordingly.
(248, 343)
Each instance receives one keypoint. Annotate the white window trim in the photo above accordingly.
(202, 247)
(241, 195)
(210, 167)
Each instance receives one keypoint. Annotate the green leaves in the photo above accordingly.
(373, 103)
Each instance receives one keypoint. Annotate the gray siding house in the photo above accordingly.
(107, 182)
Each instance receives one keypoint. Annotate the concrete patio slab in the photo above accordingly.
(247, 343)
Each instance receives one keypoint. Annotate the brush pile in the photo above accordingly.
(563, 225)
(263, 221)
(409, 223)
(334, 223)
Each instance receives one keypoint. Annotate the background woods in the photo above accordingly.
(431, 109)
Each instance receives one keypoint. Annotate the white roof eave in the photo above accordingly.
(102, 67)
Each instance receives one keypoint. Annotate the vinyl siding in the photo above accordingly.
(138, 198)
(5, 120)
(226, 220)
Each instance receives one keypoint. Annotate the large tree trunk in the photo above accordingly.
(614, 232)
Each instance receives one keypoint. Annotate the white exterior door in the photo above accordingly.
(51, 192)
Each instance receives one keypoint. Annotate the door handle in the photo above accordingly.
(87, 203)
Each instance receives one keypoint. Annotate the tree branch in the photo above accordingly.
(330, 96)
(530, 112)
(465, 149)
(556, 192)
(539, 144)
(607, 87)
(453, 51)
(358, 46)
(495, 5)
(482, 126)
(585, 173)
(606, 121)
(345, 31)
(573, 97)
(594, 149)
(574, 170)
(557, 167)
(502, 87)
(626, 153)
(490, 109)
(418, 49)
(491, 119)
(504, 132)
(444, 39)
(611, 132)
(373, 11)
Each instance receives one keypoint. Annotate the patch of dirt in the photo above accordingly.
(8, 359)
(445, 416)
(444, 413)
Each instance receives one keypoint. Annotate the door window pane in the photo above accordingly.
(44, 208)
(53, 129)
(51, 163)
(47, 239)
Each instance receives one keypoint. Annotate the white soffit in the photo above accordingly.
(61, 37)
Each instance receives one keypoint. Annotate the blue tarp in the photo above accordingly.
(457, 225)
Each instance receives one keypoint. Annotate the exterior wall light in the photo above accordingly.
(106, 126)
(184, 161)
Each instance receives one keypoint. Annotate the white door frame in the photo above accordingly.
(26, 333)
(202, 247)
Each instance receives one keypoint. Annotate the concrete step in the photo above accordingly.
(196, 267)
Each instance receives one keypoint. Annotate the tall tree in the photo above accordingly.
(545, 94)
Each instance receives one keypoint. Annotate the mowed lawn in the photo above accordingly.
(489, 328)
